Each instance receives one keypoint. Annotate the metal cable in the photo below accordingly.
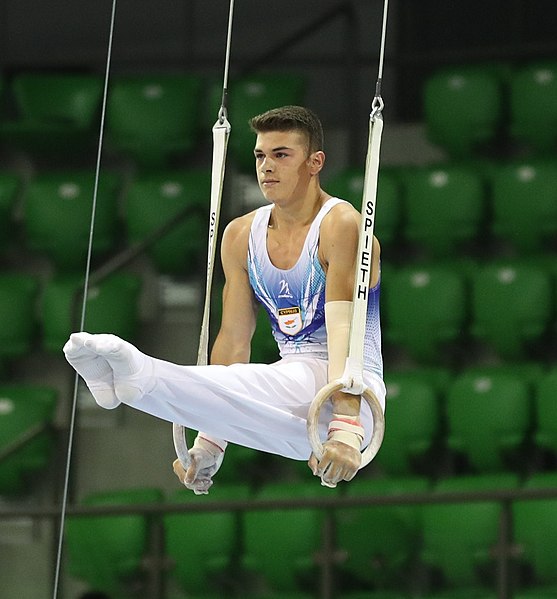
(58, 566)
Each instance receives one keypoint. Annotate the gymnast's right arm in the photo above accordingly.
(231, 346)
(239, 307)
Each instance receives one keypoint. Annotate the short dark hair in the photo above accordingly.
(291, 118)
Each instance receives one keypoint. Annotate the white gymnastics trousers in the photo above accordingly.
(260, 406)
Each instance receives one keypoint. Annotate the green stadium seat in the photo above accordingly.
(524, 210)
(535, 533)
(488, 418)
(436, 377)
(10, 184)
(348, 184)
(425, 309)
(26, 417)
(546, 412)
(412, 420)
(511, 308)
(57, 216)
(463, 108)
(281, 545)
(529, 372)
(56, 112)
(379, 542)
(154, 118)
(18, 317)
(533, 105)
(112, 307)
(544, 261)
(444, 209)
(154, 199)
(201, 545)
(107, 551)
(458, 537)
(252, 95)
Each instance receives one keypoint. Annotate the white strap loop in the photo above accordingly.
(346, 429)
(221, 133)
(352, 378)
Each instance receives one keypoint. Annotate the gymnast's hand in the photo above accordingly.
(205, 459)
(341, 457)
(339, 462)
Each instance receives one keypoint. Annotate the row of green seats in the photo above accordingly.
(445, 313)
(51, 310)
(460, 208)
(150, 117)
(482, 419)
(42, 314)
(440, 210)
(401, 544)
(467, 107)
(57, 210)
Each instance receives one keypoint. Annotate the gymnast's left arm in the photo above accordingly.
(232, 345)
(338, 251)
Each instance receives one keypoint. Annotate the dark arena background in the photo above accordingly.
(461, 501)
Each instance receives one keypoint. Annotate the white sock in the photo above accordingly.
(111, 367)
(93, 369)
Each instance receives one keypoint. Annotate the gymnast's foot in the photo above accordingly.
(109, 366)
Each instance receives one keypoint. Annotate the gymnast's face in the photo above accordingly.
(284, 168)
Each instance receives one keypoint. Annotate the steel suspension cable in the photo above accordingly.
(65, 491)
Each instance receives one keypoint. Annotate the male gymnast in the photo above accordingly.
(296, 256)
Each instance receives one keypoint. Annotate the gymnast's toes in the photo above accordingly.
(104, 344)
(75, 344)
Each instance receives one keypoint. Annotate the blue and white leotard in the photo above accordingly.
(295, 298)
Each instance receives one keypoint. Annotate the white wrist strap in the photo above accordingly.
(214, 446)
(346, 429)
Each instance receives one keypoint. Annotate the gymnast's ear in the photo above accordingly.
(316, 162)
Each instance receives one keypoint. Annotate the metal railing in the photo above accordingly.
(327, 559)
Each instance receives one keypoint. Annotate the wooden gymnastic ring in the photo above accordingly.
(180, 445)
(378, 421)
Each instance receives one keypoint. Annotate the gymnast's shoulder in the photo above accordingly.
(343, 222)
(237, 230)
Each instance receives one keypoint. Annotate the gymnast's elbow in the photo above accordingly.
(230, 349)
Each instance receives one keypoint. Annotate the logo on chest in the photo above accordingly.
(284, 289)
(290, 320)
